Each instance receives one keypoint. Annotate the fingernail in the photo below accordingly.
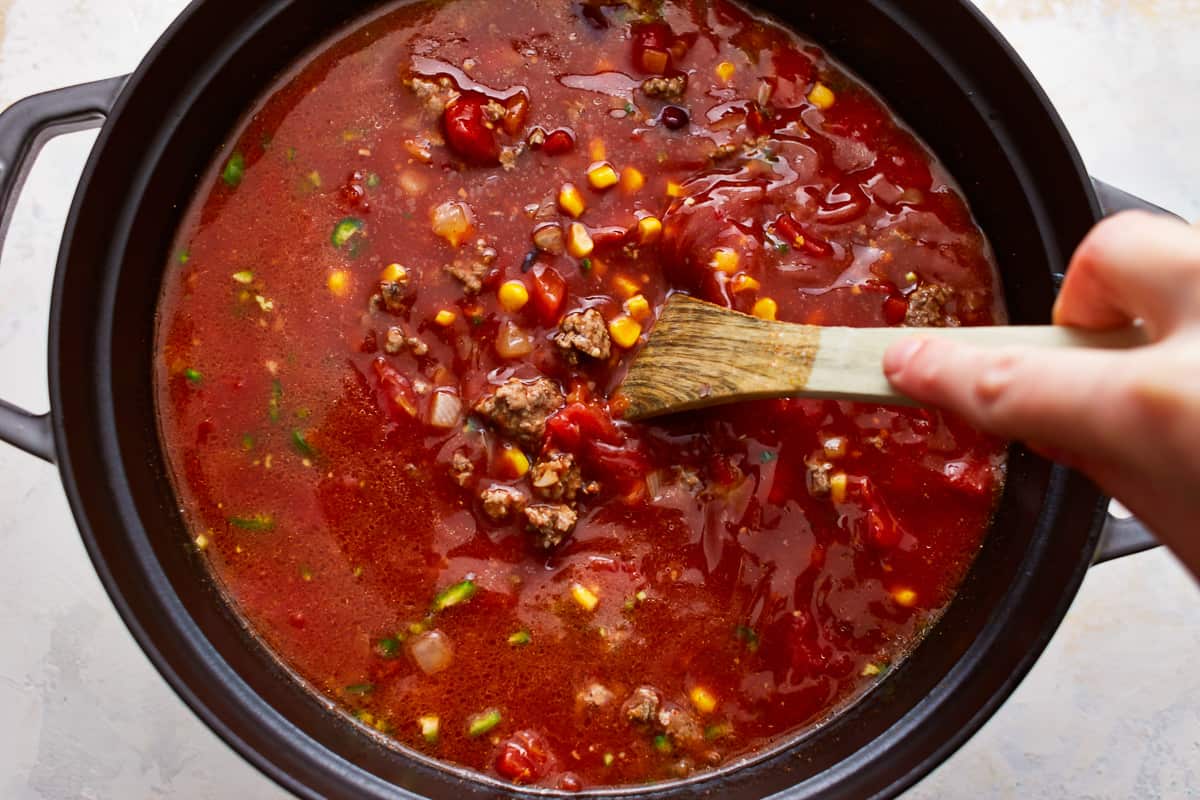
(900, 354)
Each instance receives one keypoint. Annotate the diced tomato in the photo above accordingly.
(652, 43)
(525, 757)
(558, 142)
(895, 308)
(577, 423)
(204, 431)
(396, 395)
(468, 132)
(796, 235)
(549, 294)
(875, 524)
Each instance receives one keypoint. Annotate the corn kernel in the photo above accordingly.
(822, 97)
(870, 671)
(725, 260)
(626, 286)
(586, 598)
(579, 241)
(837, 487)
(835, 447)
(744, 283)
(570, 200)
(632, 179)
(513, 295)
(625, 331)
(394, 273)
(515, 462)
(674, 189)
(725, 70)
(766, 308)
(597, 150)
(637, 307)
(601, 176)
(338, 283)
(201, 542)
(911, 277)
(429, 728)
(649, 230)
(444, 317)
(905, 597)
(704, 700)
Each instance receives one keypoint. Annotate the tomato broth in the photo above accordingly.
(395, 315)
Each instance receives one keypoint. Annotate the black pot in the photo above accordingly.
(939, 64)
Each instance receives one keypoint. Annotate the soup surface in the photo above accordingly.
(388, 335)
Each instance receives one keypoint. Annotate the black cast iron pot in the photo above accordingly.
(939, 64)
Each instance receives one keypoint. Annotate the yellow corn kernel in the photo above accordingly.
(513, 295)
(394, 273)
(765, 308)
(837, 487)
(570, 200)
(444, 317)
(516, 462)
(625, 331)
(835, 446)
(649, 230)
(725, 260)
(579, 241)
(626, 286)
(632, 179)
(597, 150)
(674, 189)
(822, 96)
(905, 597)
(744, 283)
(586, 598)
(870, 670)
(910, 277)
(602, 175)
(637, 307)
(704, 700)
(338, 282)
(725, 70)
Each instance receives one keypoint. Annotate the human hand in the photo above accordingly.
(1130, 420)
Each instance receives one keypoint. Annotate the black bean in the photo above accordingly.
(675, 118)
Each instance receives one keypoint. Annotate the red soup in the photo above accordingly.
(396, 312)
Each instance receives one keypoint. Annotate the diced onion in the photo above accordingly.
(452, 221)
(444, 410)
(432, 651)
(512, 342)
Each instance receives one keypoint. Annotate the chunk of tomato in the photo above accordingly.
(468, 132)
(525, 758)
(549, 294)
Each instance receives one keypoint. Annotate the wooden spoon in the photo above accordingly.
(701, 355)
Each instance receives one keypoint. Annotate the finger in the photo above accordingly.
(1131, 266)
(1019, 393)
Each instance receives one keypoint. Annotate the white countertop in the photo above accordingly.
(1111, 711)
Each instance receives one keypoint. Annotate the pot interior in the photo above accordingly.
(943, 71)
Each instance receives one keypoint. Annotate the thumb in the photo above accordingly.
(1056, 399)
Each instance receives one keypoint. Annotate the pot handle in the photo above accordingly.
(1122, 536)
(25, 127)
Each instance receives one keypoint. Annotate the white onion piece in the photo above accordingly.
(432, 651)
(512, 342)
(452, 221)
(444, 410)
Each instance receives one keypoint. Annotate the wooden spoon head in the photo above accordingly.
(701, 355)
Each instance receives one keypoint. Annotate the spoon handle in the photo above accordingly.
(702, 355)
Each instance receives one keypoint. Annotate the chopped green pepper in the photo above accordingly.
(388, 647)
(184, 256)
(373, 180)
(662, 744)
(520, 638)
(768, 456)
(718, 731)
(360, 689)
(454, 595)
(259, 522)
(235, 170)
(747, 636)
(301, 444)
(274, 404)
(345, 230)
(193, 375)
(429, 728)
(483, 722)
(245, 277)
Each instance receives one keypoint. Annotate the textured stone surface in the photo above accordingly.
(1111, 711)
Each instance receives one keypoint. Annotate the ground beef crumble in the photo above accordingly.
(642, 705)
(549, 525)
(556, 477)
(435, 95)
(818, 478)
(665, 88)
(927, 307)
(500, 502)
(469, 270)
(461, 469)
(584, 332)
(520, 410)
